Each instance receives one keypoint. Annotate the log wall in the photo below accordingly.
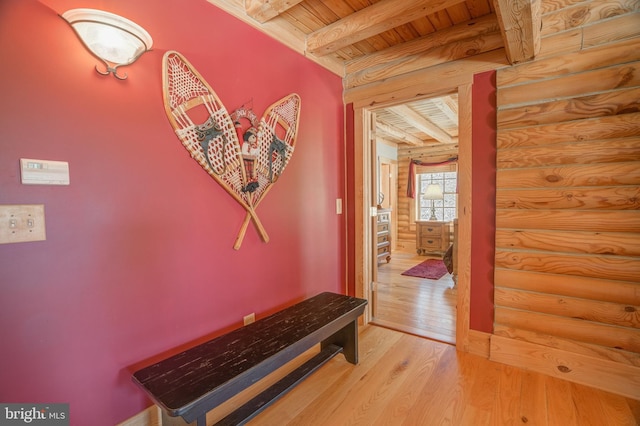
(567, 268)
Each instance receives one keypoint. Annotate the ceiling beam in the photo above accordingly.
(447, 53)
(397, 133)
(264, 10)
(520, 22)
(421, 123)
(470, 29)
(375, 19)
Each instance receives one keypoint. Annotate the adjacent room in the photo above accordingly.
(416, 157)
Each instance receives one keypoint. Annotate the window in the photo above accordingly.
(445, 209)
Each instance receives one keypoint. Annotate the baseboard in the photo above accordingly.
(478, 343)
(610, 376)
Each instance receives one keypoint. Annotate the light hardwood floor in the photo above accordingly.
(414, 305)
(407, 380)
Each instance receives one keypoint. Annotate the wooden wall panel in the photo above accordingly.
(584, 13)
(569, 307)
(618, 243)
(567, 268)
(624, 293)
(613, 376)
(600, 56)
(570, 175)
(602, 104)
(605, 267)
(562, 220)
(584, 152)
(571, 346)
(625, 338)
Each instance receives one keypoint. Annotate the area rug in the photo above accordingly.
(432, 269)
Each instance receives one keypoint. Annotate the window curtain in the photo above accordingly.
(411, 184)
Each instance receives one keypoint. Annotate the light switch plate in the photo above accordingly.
(21, 223)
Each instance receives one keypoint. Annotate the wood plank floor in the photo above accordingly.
(402, 379)
(415, 305)
(407, 380)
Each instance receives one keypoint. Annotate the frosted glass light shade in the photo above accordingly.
(115, 40)
(433, 192)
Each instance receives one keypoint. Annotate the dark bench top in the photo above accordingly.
(204, 376)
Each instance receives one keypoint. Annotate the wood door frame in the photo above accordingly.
(363, 176)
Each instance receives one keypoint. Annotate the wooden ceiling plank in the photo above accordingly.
(448, 106)
(520, 22)
(459, 13)
(479, 8)
(264, 10)
(365, 23)
(422, 123)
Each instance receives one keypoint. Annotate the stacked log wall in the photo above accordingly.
(567, 268)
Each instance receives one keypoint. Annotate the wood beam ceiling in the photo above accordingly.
(520, 24)
(264, 10)
(372, 20)
(397, 133)
(419, 122)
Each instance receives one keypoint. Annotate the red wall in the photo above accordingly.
(138, 257)
(483, 222)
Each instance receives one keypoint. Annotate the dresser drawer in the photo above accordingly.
(430, 243)
(435, 231)
(384, 217)
(383, 250)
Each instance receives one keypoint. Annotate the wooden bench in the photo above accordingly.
(193, 382)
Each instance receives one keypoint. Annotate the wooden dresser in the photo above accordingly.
(384, 235)
(432, 236)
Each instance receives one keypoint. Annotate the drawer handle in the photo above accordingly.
(430, 241)
(430, 229)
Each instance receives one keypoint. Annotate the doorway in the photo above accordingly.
(366, 177)
(424, 130)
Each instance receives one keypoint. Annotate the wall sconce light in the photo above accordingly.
(433, 192)
(113, 39)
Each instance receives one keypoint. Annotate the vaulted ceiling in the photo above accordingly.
(368, 41)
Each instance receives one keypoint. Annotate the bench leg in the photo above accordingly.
(168, 420)
(347, 337)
